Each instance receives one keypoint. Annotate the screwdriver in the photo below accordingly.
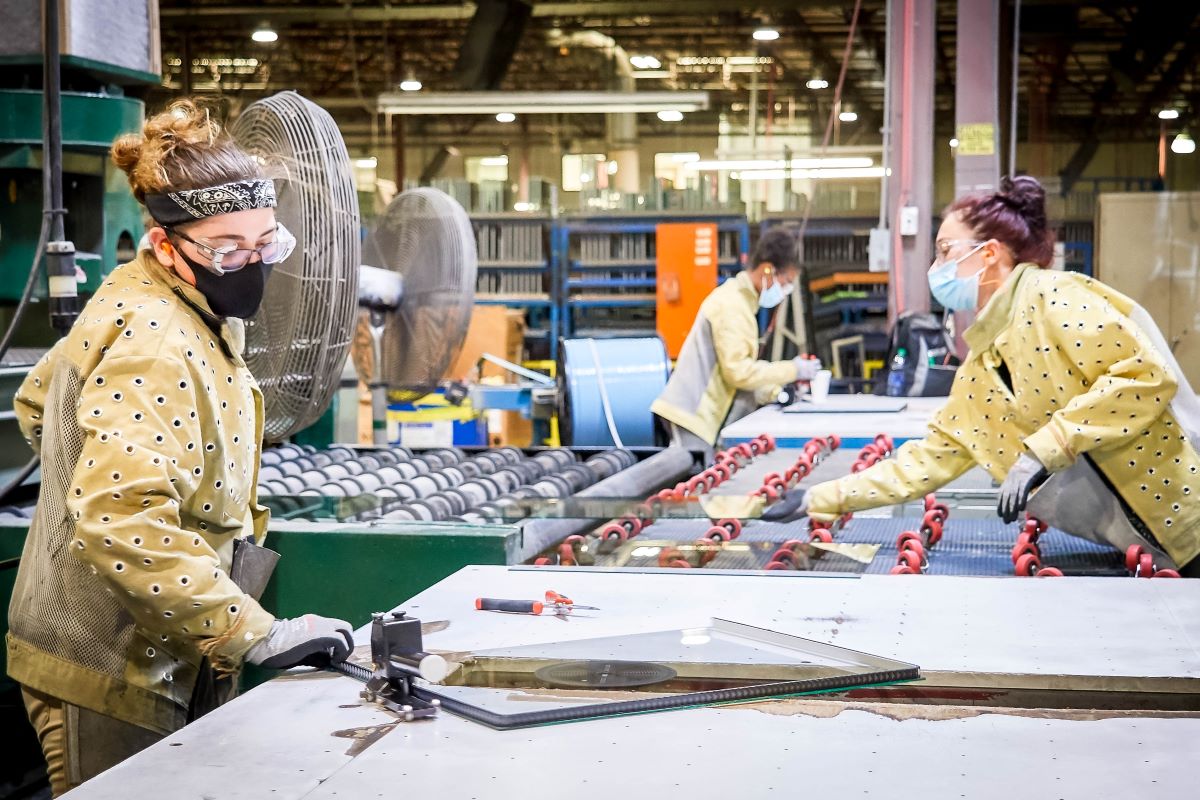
(555, 603)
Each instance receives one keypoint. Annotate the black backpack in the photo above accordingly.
(930, 359)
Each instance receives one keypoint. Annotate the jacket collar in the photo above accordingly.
(229, 331)
(997, 314)
(746, 286)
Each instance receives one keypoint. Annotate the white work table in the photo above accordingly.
(856, 429)
(309, 735)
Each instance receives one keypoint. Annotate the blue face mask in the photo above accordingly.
(952, 291)
(773, 295)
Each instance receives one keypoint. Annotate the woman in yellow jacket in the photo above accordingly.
(136, 599)
(718, 376)
(1060, 382)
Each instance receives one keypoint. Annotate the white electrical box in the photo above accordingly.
(910, 221)
(879, 250)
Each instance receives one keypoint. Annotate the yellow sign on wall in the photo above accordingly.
(977, 139)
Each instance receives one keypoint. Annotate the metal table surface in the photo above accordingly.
(307, 735)
(793, 430)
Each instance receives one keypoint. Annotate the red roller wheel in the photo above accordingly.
(1145, 567)
(901, 569)
(906, 536)
(769, 441)
(614, 531)
(574, 539)
(858, 467)
(679, 563)
(696, 486)
(768, 493)
(734, 526)
(1028, 548)
(934, 515)
(756, 447)
(778, 565)
(804, 461)
(784, 555)
(911, 560)
(845, 518)
(717, 533)
(1028, 565)
(745, 451)
(542, 562)
(771, 477)
(792, 544)
(1050, 572)
(930, 501)
(1040, 526)
(914, 546)
(792, 476)
(835, 441)
(821, 535)
(941, 510)
(1166, 573)
(932, 531)
(722, 472)
(667, 555)
(644, 514)
(1132, 555)
(707, 550)
(779, 485)
(631, 524)
(666, 496)
(566, 555)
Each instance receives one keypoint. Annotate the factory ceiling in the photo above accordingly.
(1089, 71)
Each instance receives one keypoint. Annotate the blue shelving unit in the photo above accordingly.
(605, 267)
(516, 270)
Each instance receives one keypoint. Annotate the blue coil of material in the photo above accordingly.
(629, 373)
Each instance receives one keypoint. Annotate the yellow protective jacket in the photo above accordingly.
(148, 423)
(719, 359)
(1083, 378)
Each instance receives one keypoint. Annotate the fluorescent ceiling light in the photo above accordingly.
(817, 83)
(646, 74)
(844, 162)
(520, 205)
(410, 85)
(669, 115)
(370, 162)
(848, 116)
(1168, 113)
(812, 174)
(491, 103)
(506, 116)
(766, 35)
(954, 142)
(264, 35)
(493, 161)
(645, 62)
(1183, 144)
(685, 158)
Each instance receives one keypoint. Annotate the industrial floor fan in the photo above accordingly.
(296, 345)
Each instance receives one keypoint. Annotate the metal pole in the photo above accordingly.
(60, 253)
(1016, 73)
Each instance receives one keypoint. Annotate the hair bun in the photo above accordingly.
(1026, 195)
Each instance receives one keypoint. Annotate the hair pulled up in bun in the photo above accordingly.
(1015, 216)
(181, 147)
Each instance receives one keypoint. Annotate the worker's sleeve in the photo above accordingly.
(737, 355)
(29, 403)
(918, 467)
(1129, 385)
(139, 464)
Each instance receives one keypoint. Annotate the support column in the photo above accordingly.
(910, 152)
(977, 97)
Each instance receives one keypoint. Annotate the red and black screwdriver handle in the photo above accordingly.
(511, 606)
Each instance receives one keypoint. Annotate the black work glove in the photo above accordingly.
(308, 641)
(1025, 476)
(789, 508)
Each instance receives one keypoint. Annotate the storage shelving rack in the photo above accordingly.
(516, 271)
(606, 268)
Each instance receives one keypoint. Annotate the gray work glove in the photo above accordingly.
(806, 368)
(789, 508)
(1025, 476)
(308, 641)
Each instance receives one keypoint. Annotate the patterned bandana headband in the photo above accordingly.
(189, 205)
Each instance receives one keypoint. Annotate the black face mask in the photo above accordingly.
(234, 294)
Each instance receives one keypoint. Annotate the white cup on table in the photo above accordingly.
(820, 386)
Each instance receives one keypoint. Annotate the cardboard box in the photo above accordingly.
(496, 330)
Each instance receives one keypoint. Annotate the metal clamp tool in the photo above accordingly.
(396, 658)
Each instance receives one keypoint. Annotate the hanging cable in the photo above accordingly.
(20, 478)
(1016, 76)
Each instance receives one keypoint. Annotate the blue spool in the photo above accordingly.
(632, 372)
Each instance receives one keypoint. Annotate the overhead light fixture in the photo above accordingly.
(953, 143)
(1168, 113)
(493, 161)
(670, 116)
(582, 102)
(645, 62)
(1183, 144)
(766, 34)
(410, 85)
(685, 158)
(370, 162)
(812, 174)
(817, 83)
(506, 116)
(521, 205)
(264, 34)
(612, 167)
(848, 116)
(837, 162)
